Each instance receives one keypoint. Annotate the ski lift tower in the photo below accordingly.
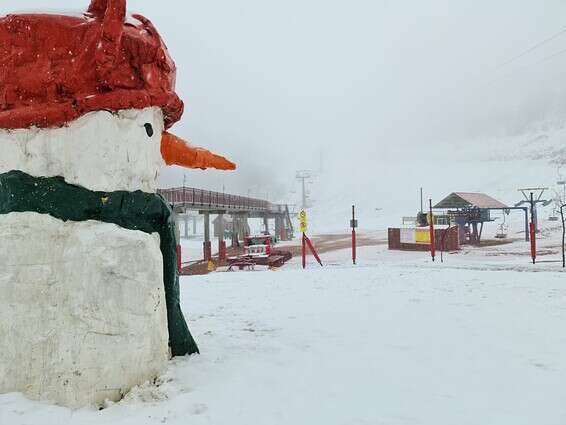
(561, 182)
(303, 176)
(561, 197)
(533, 197)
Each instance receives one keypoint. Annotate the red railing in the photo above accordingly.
(188, 196)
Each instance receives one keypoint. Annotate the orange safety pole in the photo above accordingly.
(311, 247)
(222, 250)
(354, 253)
(179, 258)
(353, 225)
(533, 242)
(533, 231)
(304, 250)
(431, 227)
(207, 248)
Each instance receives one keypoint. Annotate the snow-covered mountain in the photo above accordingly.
(385, 185)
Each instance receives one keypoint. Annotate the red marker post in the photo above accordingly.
(306, 242)
(311, 247)
(354, 225)
(533, 231)
(431, 227)
(304, 250)
(303, 229)
(221, 250)
(179, 258)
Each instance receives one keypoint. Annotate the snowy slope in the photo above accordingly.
(396, 340)
(384, 183)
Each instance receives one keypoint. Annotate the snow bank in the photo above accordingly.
(396, 340)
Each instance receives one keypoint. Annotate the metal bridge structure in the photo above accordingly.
(238, 208)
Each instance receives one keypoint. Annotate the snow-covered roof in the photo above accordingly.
(470, 199)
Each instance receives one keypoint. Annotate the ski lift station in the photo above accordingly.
(469, 211)
(459, 219)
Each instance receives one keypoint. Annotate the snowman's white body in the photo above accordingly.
(101, 151)
(82, 304)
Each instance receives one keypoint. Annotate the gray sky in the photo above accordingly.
(272, 84)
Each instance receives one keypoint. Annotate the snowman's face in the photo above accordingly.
(102, 151)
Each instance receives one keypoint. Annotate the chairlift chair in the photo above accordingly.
(502, 229)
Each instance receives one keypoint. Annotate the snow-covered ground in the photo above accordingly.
(397, 339)
(394, 340)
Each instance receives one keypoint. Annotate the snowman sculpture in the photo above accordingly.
(89, 290)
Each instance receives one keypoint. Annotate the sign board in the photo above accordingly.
(422, 236)
(353, 224)
(419, 236)
(408, 236)
(303, 221)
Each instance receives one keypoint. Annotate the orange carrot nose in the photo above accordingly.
(175, 151)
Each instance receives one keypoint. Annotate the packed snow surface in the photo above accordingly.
(394, 340)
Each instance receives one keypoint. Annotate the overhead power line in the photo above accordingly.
(547, 58)
(531, 49)
(523, 68)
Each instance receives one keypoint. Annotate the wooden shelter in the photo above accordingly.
(470, 210)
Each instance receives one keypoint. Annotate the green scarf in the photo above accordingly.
(147, 212)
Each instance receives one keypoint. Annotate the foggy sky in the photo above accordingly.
(273, 84)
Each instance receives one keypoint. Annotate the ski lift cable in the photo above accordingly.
(523, 54)
(531, 49)
(509, 74)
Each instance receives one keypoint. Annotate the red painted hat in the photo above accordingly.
(56, 68)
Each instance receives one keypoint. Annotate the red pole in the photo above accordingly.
(533, 231)
(304, 251)
(353, 224)
(432, 238)
(221, 250)
(311, 247)
(179, 259)
(207, 247)
(533, 243)
(354, 246)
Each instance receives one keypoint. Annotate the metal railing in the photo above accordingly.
(191, 197)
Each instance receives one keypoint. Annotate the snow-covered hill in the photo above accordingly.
(385, 185)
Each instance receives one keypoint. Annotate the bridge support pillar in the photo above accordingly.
(266, 224)
(284, 236)
(207, 246)
(186, 222)
(235, 230)
(221, 241)
(244, 227)
(280, 228)
(240, 228)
